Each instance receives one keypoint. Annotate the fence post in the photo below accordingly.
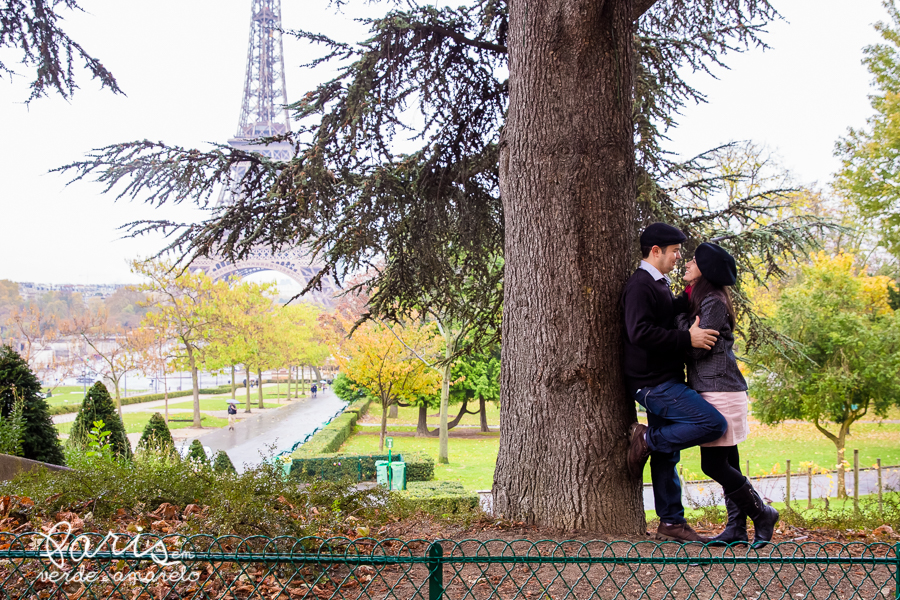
(787, 485)
(880, 502)
(809, 487)
(897, 571)
(855, 481)
(436, 571)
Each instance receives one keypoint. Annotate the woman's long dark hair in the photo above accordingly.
(703, 288)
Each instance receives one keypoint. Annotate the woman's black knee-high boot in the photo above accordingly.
(763, 516)
(736, 528)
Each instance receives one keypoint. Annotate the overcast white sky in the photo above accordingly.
(181, 64)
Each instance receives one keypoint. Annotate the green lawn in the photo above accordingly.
(801, 443)
(65, 394)
(410, 416)
(472, 461)
(218, 403)
(135, 422)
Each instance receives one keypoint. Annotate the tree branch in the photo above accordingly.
(640, 7)
(461, 39)
(463, 410)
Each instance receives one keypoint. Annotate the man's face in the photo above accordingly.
(667, 258)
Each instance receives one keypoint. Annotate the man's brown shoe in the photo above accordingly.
(638, 450)
(679, 532)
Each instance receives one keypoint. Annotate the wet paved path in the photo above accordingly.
(251, 438)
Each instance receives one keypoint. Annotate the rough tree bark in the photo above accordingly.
(568, 188)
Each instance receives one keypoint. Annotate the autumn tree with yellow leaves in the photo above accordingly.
(375, 359)
(845, 363)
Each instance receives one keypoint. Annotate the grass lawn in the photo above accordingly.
(135, 422)
(218, 403)
(410, 416)
(768, 447)
(472, 461)
(65, 394)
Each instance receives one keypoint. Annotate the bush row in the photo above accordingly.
(330, 437)
(419, 466)
(72, 408)
(440, 497)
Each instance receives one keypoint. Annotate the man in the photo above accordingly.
(654, 358)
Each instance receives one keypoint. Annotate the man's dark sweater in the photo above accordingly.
(654, 349)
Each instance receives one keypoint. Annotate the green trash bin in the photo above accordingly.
(381, 472)
(398, 473)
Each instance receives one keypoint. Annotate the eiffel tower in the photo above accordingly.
(264, 113)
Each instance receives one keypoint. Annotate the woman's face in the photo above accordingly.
(691, 272)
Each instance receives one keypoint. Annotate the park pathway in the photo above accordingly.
(253, 438)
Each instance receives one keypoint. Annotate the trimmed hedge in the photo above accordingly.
(440, 497)
(73, 408)
(330, 437)
(419, 466)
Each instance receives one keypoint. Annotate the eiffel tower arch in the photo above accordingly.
(264, 113)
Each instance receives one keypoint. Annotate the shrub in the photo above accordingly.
(40, 440)
(419, 466)
(333, 467)
(258, 501)
(222, 464)
(330, 437)
(440, 497)
(156, 434)
(98, 406)
(196, 453)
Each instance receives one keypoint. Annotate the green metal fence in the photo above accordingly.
(60, 566)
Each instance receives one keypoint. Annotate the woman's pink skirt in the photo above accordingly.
(733, 406)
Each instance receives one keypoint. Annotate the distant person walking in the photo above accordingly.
(314, 389)
(232, 411)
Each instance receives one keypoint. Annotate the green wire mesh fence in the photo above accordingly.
(57, 565)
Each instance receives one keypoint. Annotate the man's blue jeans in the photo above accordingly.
(678, 418)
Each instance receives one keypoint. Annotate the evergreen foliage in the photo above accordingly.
(434, 210)
(346, 389)
(32, 27)
(40, 440)
(98, 405)
(222, 463)
(156, 435)
(197, 453)
(12, 428)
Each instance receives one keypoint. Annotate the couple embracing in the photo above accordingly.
(663, 332)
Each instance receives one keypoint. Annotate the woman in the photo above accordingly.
(714, 373)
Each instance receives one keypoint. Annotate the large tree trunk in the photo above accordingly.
(247, 382)
(422, 425)
(259, 386)
(393, 411)
(567, 183)
(482, 410)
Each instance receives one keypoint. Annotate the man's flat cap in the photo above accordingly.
(662, 235)
(715, 264)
